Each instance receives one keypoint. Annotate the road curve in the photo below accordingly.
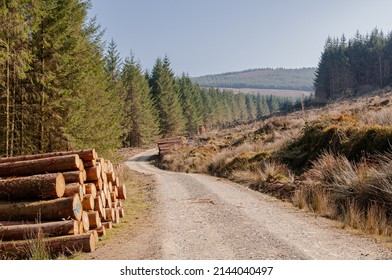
(203, 217)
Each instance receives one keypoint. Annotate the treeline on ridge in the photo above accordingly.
(61, 88)
(355, 66)
(266, 78)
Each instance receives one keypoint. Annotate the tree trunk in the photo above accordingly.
(50, 210)
(73, 177)
(85, 155)
(91, 189)
(45, 186)
(29, 231)
(110, 214)
(101, 230)
(40, 166)
(107, 225)
(122, 192)
(55, 245)
(93, 173)
(94, 219)
(72, 189)
(88, 202)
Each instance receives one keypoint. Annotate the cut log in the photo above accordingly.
(73, 177)
(31, 231)
(91, 189)
(111, 176)
(121, 212)
(95, 234)
(115, 190)
(113, 197)
(110, 214)
(116, 182)
(45, 186)
(103, 198)
(93, 173)
(40, 166)
(98, 184)
(85, 221)
(72, 189)
(46, 210)
(107, 225)
(101, 231)
(110, 187)
(80, 227)
(88, 202)
(94, 219)
(55, 245)
(117, 216)
(122, 192)
(84, 155)
(89, 163)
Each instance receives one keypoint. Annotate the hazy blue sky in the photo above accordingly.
(214, 36)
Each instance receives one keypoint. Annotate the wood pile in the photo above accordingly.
(165, 145)
(64, 199)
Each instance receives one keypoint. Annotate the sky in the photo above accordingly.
(203, 37)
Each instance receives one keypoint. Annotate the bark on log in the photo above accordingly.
(31, 231)
(88, 202)
(101, 231)
(55, 245)
(84, 155)
(89, 163)
(122, 192)
(73, 177)
(121, 212)
(94, 219)
(72, 189)
(45, 186)
(40, 166)
(107, 225)
(47, 210)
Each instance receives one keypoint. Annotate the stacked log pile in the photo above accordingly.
(64, 199)
(165, 145)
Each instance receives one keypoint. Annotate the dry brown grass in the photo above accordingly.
(351, 184)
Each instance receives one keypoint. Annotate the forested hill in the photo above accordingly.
(266, 78)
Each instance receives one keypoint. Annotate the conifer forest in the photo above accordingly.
(62, 87)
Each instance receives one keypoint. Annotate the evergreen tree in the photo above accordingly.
(191, 104)
(171, 119)
(141, 124)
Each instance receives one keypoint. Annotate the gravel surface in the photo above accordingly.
(202, 217)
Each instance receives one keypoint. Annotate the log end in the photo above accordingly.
(77, 207)
(60, 185)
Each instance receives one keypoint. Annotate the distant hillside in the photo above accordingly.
(266, 78)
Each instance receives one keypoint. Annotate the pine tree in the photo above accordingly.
(141, 124)
(14, 62)
(191, 104)
(171, 119)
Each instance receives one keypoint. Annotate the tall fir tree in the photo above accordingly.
(140, 123)
(162, 82)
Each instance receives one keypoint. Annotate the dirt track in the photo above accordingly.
(202, 217)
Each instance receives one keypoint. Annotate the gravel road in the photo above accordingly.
(203, 217)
